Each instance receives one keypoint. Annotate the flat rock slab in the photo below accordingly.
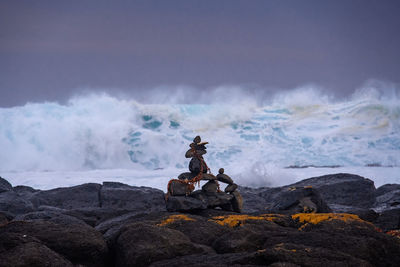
(122, 196)
(81, 196)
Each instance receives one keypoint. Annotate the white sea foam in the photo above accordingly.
(253, 138)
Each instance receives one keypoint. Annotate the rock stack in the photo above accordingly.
(181, 195)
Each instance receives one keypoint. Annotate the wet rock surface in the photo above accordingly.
(114, 224)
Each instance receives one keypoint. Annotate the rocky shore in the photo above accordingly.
(332, 220)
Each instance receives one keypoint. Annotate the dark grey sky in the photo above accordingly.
(51, 49)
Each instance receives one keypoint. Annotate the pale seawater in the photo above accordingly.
(95, 138)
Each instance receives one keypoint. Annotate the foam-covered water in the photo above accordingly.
(248, 137)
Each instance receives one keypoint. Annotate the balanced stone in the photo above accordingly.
(223, 177)
(210, 186)
(196, 165)
(177, 188)
(231, 188)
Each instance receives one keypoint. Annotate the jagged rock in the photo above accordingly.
(210, 186)
(80, 196)
(14, 204)
(177, 188)
(140, 244)
(5, 185)
(237, 202)
(185, 203)
(121, 196)
(80, 244)
(231, 188)
(342, 189)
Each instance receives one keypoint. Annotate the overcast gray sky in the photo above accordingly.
(52, 49)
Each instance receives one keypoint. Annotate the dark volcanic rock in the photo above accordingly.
(122, 196)
(177, 188)
(210, 186)
(50, 216)
(140, 244)
(252, 240)
(213, 199)
(231, 188)
(237, 202)
(186, 175)
(5, 185)
(224, 178)
(299, 200)
(388, 220)
(80, 196)
(387, 197)
(14, 204)
(17, 252)
(185, 203)
(195, 166)
(343, 189)
(78, 243)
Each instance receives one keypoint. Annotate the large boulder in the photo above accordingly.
(121, 196)
(14, 204)
(4, 185)
(299, 200)
(80, 196)
(19, 251)
(341, 191)
(79, 244)
(140, 244)
(387, 197)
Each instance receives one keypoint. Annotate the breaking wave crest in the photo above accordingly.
(302, 127)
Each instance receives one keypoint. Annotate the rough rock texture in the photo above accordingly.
(14, 204)
(210, 186)
(122, 196)
(231, 188)
(80, 196)
(140, 244)
(387, 197)
(119, 225)
(177, 188)
(185, 203)
(343, 189)
(29, 253)
(77, 243)
(5, 185)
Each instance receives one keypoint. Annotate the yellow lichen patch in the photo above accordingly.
(238, 220)
(174, 218)
(308, 186)
(315, 218)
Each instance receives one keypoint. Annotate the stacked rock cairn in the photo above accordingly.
(181, 195)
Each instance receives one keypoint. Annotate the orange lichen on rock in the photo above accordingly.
(174, 218)
(315, 218)
(238, 220)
